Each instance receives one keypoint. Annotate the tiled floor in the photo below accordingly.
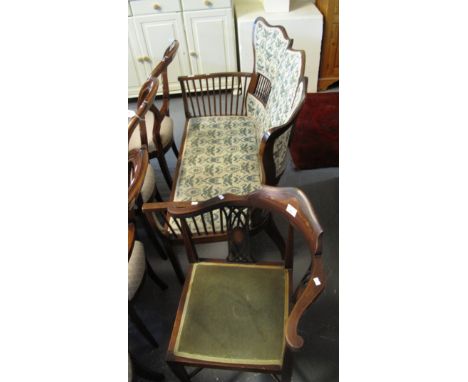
(318, 359)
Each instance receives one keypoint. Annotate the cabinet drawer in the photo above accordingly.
(147, 7)
(195, 5)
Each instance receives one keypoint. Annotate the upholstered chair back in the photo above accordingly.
(280, 87)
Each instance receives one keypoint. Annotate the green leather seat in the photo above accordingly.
(234, 313)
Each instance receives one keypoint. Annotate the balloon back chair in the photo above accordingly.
(138, 265)
(239, 313)
(156, 129)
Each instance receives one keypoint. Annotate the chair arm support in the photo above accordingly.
(215, 94)
(311, 292)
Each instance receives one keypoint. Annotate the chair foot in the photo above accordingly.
(174, 148)
(275, 235)
(165, 170)
(154, 277)
(140, 325)
(179, 371)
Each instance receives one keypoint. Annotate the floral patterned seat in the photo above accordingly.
(223, 150)
(220, 156)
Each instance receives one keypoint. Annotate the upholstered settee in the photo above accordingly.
(236, 137)
(239, 124)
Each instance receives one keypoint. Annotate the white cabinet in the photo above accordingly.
(211, 41)
(205, 31)
(154, 34)
(136, 69)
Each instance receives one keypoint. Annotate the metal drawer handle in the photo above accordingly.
(157, 6)
(193, 54)
(208, 3)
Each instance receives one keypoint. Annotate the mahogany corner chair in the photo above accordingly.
(238, 313)
(237, 132)
(156, 129)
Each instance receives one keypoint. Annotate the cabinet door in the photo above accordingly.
(211, 42)
(136, 68)
(155, 33)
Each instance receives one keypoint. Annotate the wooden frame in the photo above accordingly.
(292, 205)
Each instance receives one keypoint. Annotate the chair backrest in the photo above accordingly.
(137, 164)
(239, 213)
(276, 95)
(160, 71)
(145, 101)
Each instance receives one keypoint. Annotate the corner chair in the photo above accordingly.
(240, 313)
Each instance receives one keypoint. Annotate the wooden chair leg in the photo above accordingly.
(154, 240)
(275, 235)
(179, 371)
(140, 325)
(154, 277)
(174, 148)
(165, 169)
(175, 262)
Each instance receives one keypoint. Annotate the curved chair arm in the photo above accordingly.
(157, 212)
(293, 204)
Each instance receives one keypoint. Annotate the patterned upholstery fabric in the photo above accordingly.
(234, 313)
(257, 111)
(136, 269)
(166, 132)
(220, 156)
(283, 68)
